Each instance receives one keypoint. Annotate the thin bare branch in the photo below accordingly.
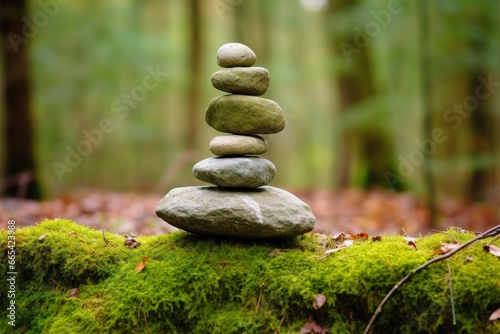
(277, 331)
(439, 231)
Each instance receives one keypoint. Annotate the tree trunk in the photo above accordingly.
(426, 95)
(365, 153)
(193, 97)
(483, 124)
(20, 172)
(483, 147)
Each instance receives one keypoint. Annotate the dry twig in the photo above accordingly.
(438, 231)
(260, 297)
(494, 239)
(106, 241)
(281, 323)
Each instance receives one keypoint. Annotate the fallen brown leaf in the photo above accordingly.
(140, 266)
(319, 301)
(492, 249)
(312, 327)
(131, 242)
(339, 236)
(495, 315)
(446, 248)
(412, 243)
(361, 235)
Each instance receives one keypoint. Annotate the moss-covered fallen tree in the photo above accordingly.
(196, 284)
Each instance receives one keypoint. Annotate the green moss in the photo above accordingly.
(198, 284)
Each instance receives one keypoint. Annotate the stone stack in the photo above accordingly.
(240, 204)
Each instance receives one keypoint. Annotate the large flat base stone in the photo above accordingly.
(265, 212)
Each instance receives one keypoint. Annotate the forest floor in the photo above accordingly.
(374, 212)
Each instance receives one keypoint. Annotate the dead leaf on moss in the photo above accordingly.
(130, 241)
(495, 315)
(409, 239)
(312, 327)
(492, 249)
(339, 236)
(350, 236)
(319, 301)
(361, 235)
(446, 248)
(377, 238)
(140, 266)
(412, 243)
(72, 233)
(74, 293)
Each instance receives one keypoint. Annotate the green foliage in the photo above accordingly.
(199, 284)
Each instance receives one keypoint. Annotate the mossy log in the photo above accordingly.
(196, 284)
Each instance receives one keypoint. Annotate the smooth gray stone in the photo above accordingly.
(245, 115)
(242, 80)
(236, 172)
(238, 145)
(265, 212)
(235, 54)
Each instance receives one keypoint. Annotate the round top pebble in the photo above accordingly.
(235, 54)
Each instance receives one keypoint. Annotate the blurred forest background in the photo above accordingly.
(111, 95)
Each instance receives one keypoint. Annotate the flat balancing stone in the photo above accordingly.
(242, 80)
(265, 212)
(238, 145)
(237, 172)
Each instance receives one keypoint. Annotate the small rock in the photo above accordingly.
(238, 145)
(236, 172)
(265, 212)
(245, 115)
(242, 80)
(235, 54)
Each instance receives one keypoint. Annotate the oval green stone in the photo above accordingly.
(244, 114)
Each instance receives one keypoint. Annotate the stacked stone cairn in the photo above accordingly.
(240, 203)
